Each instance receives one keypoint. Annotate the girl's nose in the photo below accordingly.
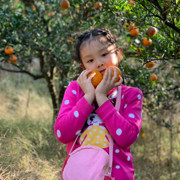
(100, 64)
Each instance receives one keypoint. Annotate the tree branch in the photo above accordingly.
(35, 77)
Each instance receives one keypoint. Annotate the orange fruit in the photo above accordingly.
(69, 41)
(132, 2)
(125, 25)
(119, 74)
(97, 5)
(64, 4)
(9, 50)
(97, 78)
(12, 59)
(51, 14)
(24, 11)
(131, 26)
(139, 52)
(147, 42)
(152, 31)
(134, 32)
(33, 7)
(153, 77)
(150, 64)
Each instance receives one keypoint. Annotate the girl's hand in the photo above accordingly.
(106, 85)
(86, 85)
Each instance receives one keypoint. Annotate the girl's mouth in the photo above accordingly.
(102, 72)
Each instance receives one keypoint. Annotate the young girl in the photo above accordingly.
(83, 105)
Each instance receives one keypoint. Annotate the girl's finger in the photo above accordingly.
(119, 82)
(115, 75)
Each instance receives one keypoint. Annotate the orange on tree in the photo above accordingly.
(152, 31)
(65, 4)
(97, 78)
(9, 50)
(146, 42)
(97, 5)
(12, 59)
(139, 52)
(131, 2)
(33, 7)
(134, 32)
(119, 74)
(131, 26)
(125, 25)
(153, 77)
(51, 14)
(150, 64)
(24, 11)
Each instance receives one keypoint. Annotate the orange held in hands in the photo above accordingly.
(97, 78)
(9, 50)
(119, 74)
(65, 4)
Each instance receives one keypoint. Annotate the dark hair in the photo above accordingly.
(93, 33)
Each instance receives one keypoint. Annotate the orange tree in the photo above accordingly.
(47, 30)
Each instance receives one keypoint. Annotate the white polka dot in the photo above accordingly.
(101, 132)
(118, 132)
(117, 151)
(89, 139)
(128, 158)
(78, 132)
(117, 166)
(76, 114)
(58, 133)
(97, 142)
(66, 102)
(122, 96)
(125, 106)
(94, 129)
(73, 91)
(102, 127)
(97, 136)
(105, 139)
(81, 139)
(131, 115)
(105, 144)
(139, 96)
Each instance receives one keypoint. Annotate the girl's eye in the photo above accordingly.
(91, 60)
(105, 54)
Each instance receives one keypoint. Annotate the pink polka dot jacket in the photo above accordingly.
(123, 126)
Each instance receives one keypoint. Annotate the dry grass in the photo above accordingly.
(29, 150)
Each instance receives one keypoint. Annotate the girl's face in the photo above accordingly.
(98, 54)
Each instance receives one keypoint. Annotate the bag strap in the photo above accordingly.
(117, 106)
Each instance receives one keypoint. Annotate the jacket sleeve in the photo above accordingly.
(73, 114)
(124, 127)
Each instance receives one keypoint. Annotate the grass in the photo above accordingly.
(30, 151)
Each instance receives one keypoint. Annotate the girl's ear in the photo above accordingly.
(120, 54)
(82, 66)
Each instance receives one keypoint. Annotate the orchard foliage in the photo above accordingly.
(45, 30)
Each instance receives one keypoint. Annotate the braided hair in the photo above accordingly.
(92, 33)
